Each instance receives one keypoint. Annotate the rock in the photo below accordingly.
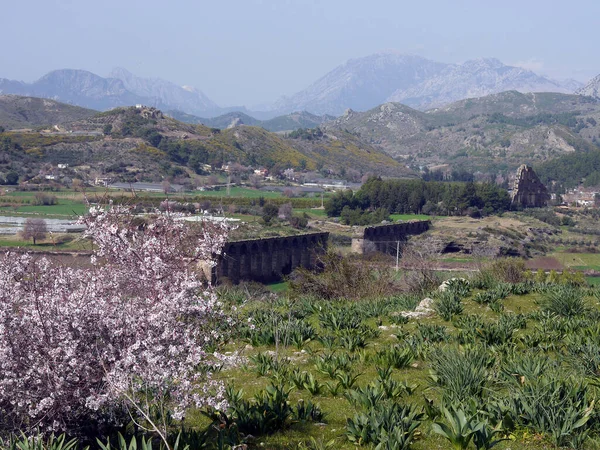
(423, 309)
(425, 305)
(442, 287)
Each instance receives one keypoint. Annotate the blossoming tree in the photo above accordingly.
(135, 331)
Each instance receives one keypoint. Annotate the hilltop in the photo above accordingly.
(496, 132)
(26, 112)
(142, 144)
(287, 122)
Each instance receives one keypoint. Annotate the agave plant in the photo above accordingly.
(459, 429)
(39, 442)
(398, 356)
(461, 374)
(389, 426)
(448, 305)
(347, 379)
(565, 301)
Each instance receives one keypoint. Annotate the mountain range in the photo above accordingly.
(491, 134)
(286, 122)
(363, 83)
(359, 84)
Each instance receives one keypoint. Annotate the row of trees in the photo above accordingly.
(418, 196)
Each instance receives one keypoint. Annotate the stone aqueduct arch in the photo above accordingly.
(268, 259)
(383, 238)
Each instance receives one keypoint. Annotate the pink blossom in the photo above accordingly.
(76, 344)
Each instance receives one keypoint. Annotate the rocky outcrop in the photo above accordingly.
(528, 190)
(592, 89)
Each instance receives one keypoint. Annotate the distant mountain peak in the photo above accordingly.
(392, 76)
(592, 88)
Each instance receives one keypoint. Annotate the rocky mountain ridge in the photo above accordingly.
(492, 133)
(364, 83)
(592, 89)
(121, 88)
(142, 144)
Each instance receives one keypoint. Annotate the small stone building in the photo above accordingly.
(528, 190)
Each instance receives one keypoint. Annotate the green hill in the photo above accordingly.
(129, 144)
(494, 133)
(29, 112)
(288, 122)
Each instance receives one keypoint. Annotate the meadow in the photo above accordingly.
(509, 365)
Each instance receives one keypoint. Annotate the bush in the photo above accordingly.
(565, 301)
(509, 270)
(448, 305)
(44, 199)
(461, 374)
(104, 335)
(343, 277)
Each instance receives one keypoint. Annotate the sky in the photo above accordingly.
(251, 52)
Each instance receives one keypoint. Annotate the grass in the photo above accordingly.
(316, 213)
(43, 245)
(236, 191)
(578, 261)
(409, 217)
(278, 287)
(593, 281)
(337, 408)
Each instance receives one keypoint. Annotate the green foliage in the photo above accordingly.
(141, 442)
(560, 407)
(459, 430)
(565, 301)
(460, 374)
(267, 413)
(39, 442)
(358, 216)
(397, 356)
(269, 213)
(410, 196)
(447, 305)
(568, 170)
(383, 425)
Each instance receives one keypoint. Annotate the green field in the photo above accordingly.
(237, 191)
(578, 261)
(409, 217)
(287, 361)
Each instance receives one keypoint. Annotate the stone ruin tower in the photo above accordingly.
(528, 191)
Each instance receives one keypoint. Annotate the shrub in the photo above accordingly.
(41, 198)
(461, 374)
(88, 340)
(448, 305)
(384, 424)
(565, 301)
(343, 277)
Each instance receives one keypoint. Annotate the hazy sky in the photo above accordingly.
(252, 51)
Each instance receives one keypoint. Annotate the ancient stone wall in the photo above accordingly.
(268, 259)
(528, 191)
(384, 238)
